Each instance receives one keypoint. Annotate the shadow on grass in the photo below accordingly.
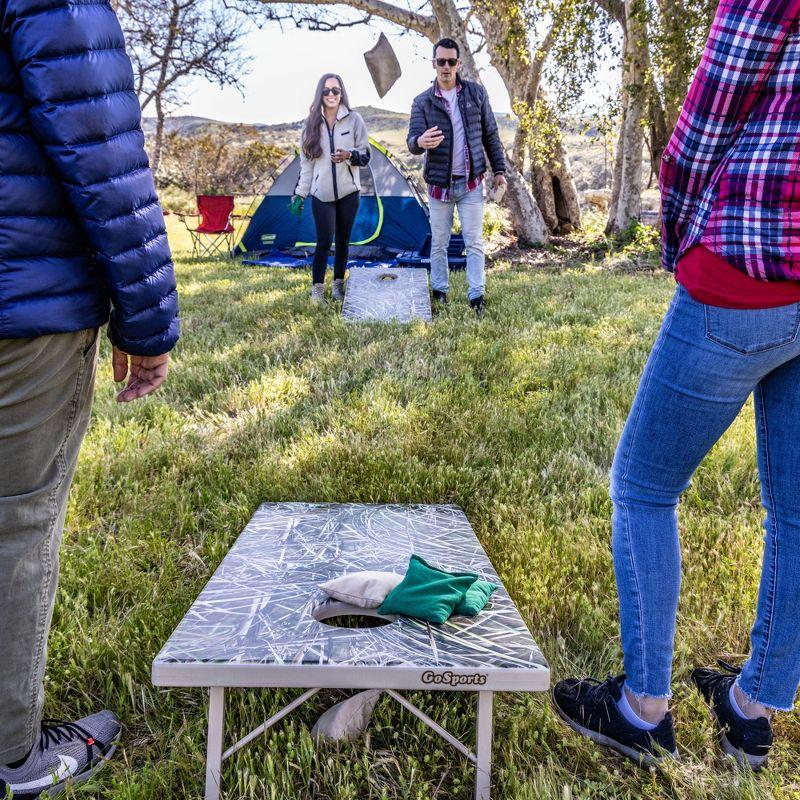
(514, 418)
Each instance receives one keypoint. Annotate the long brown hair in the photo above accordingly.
(311, 130)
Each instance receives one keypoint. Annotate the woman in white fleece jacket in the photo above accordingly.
(334, 146)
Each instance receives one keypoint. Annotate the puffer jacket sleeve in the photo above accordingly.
(416, 127)
(360, 155)
(491, 136)
(77, 81)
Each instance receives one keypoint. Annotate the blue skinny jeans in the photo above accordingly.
(704, 365)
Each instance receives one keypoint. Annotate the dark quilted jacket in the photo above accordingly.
(480, 128)
(81, 228)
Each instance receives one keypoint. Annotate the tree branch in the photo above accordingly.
(324, 25)
(313, 22)
(537, 64)
(614, 8)
(421, 23)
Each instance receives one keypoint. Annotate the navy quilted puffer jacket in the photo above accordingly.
(81, 228)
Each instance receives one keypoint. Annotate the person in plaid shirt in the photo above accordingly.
(730, 189)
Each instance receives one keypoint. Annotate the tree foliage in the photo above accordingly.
(230, 160)
(549, 53)
(678, 32)
(170, 41)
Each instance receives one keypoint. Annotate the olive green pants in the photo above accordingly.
(46, 386)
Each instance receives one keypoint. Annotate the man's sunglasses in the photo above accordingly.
(451, 62)
(334, 91)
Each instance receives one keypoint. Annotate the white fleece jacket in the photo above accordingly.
(322, 178)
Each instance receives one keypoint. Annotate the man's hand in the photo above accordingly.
(431, 139)
(145, 373)
(339, 156)
(500, 180)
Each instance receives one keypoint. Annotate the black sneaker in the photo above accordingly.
(747, 740)
(590, 708)
(478, 304)
(439, 297)
(67, 752)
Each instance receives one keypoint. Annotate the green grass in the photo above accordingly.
(514, 418)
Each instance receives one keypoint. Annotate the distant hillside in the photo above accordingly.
(379, 119)
(376, 119)
(197, 126)
(589, 162)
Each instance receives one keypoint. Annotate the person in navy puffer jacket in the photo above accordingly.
(82, 243)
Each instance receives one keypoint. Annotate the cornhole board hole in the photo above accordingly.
(386, 294)
(260, 622)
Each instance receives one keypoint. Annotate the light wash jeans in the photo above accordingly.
(470, 213)
(704, 365)
(46, 388)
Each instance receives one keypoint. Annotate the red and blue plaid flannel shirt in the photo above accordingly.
(730, 175)
(443, 193)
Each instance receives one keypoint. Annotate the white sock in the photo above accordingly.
(627, 711)
(734, 704)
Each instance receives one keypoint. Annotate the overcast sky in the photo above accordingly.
(287, 64)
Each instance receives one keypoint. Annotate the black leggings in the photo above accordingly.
(336, 217)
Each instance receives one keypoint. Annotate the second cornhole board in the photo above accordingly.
(387, 294)
(260, 622)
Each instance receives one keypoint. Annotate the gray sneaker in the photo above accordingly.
(67, 752)
(318, 294)
(338, 290)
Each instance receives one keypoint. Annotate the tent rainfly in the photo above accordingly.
(392, 216)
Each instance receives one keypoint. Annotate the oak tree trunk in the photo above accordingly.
(555, 191)
(451, 26)
(626, 204)
(159, 140)
(526, 217)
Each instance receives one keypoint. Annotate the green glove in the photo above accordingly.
(296, 206)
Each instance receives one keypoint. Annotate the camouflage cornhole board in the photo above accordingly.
(260, 619)
(387, 294)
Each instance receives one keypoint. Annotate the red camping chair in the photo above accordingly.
(215, 230)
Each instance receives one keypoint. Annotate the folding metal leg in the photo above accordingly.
(482, 758)
(216, 731)
(210, 245)
(483, 747)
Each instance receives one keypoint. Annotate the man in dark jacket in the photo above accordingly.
(82, 243)
(453, 124)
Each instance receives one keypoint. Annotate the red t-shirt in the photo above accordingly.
(711, 280)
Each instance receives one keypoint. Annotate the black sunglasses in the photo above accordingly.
(331, 90)
(451, 62)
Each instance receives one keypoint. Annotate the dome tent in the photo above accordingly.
(392, 216)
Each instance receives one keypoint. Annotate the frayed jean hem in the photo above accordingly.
(646, 695)
(754, 698)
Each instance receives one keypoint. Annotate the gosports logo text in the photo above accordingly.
(453, 679)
